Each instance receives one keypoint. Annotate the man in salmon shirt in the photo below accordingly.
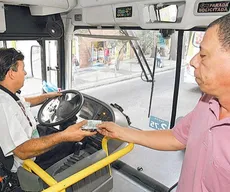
(205, 131)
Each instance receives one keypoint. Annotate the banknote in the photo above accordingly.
(91, 125)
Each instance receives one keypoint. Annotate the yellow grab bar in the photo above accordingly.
(62, 185)
(31, 166)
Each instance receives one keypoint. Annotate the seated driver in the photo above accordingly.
(19, 134)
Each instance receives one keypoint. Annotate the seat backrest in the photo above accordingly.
(6, 161)
(9, 180)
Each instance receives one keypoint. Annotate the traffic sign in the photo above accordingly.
(157, 123)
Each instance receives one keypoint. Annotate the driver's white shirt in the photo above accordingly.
(15, 128)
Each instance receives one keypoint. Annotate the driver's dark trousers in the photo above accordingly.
(52, 156)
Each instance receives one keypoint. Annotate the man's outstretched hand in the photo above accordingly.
(110, 129)
(74, 132)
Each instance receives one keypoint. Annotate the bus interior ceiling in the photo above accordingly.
(57, 20)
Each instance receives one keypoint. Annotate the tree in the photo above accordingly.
(147, 40)
(173, 46)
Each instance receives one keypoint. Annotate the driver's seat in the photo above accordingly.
(9, 181)
(7, 162)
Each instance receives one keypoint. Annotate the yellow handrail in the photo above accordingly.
(31, 166)
(62, 185)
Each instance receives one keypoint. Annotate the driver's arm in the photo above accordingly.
(37, 146)
(36, 100)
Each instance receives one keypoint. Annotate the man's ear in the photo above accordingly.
(10, 74)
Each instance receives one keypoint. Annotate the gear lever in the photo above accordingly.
(78, 147)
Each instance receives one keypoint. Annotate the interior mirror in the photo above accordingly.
(163, 12)
(167, 13)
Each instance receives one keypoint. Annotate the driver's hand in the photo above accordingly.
(74, 132)
(110, 129)
(53, 94)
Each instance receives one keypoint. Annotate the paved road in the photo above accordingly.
(134, 96)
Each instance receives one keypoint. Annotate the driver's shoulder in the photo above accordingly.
(5, 100)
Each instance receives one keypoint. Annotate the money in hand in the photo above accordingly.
(91, 125)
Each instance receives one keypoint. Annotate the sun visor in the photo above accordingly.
(2, 19)
(102, 15)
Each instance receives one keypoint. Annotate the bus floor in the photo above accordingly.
(144, 169)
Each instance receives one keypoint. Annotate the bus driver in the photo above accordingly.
(19, 134)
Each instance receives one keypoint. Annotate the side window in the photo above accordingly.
(32, 61)
(33, 66)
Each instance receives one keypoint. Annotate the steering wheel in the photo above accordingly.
(58, 110)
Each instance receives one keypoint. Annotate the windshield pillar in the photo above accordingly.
(177, 77)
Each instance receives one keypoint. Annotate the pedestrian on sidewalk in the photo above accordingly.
(159, 60)
(106, 53)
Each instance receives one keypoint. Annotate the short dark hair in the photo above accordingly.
(8, 59)
(223, 24)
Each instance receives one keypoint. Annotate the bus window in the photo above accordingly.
(32, 60)
(32, 53)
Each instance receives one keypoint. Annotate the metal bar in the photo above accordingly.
(43, 59)
(152, 87)
(173, 187)
(61, 63)
(119, 37)
(142, 55)
(177, 77)
(31, 61)
(89, 170)
(146, 63)
(62, 185)
(138, 58)
(30, 165)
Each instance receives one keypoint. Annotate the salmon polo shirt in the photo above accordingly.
(206, 165)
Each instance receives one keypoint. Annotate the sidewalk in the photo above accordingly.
(106, 74)
(95, 76)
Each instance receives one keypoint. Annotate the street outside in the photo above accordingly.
(94, 76)
(134, 96)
